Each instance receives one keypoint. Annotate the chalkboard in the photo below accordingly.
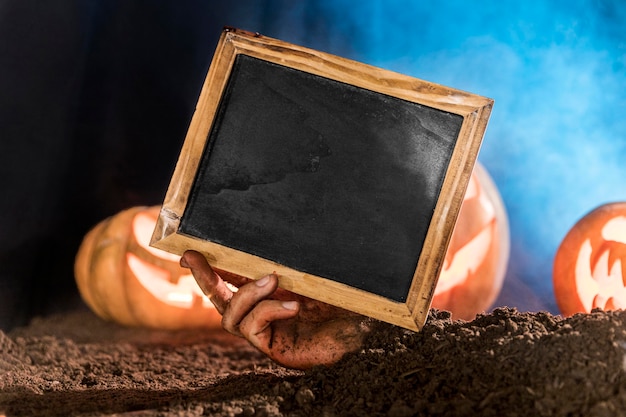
(343, 178)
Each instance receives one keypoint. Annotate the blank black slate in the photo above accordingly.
(321, 176)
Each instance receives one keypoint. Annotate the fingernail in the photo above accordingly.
(290, 305)
(184, 263)
(262, 282)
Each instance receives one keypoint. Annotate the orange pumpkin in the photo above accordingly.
(589, 268)
(478, 252)
(121, 278)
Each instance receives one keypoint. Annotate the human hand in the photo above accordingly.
(294, 331)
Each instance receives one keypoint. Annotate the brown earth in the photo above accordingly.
(504, 363)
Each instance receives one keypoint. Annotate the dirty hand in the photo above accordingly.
(294, 331)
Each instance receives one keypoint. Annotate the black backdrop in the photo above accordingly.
(95, 99)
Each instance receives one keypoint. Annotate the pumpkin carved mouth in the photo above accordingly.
(183, 293)
(590, 264)
(600, 275)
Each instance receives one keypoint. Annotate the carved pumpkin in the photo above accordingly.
(478, 252)
(123, 279)
(589, 268)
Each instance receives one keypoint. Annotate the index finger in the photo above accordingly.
(209, 281)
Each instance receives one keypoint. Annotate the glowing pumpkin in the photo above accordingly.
(589, 268)
(123, 279)
(478, 253)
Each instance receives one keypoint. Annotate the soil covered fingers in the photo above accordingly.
(242, 302)
(209, 281)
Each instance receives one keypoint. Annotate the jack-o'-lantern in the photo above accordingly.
(121, 278)
(589, 268)
(478, 253)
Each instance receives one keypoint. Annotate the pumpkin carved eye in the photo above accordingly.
(477, 255)
(121, 278)
(159, 271)
(590, 264)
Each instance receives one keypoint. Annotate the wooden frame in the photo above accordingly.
(438, 131)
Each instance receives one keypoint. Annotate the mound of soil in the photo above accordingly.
(502, 363)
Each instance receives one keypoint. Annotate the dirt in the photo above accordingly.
(504, 363)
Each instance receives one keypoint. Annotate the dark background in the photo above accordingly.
(95, 100)
(96, 96)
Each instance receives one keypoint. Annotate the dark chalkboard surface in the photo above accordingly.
(321, 176)
(315, 165)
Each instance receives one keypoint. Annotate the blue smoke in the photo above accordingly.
(556, 142)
